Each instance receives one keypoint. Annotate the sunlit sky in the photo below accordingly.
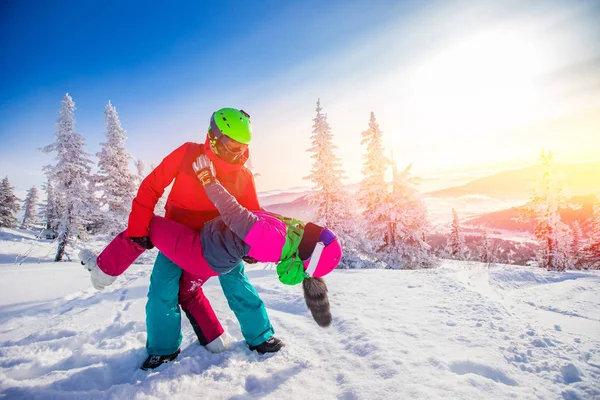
(455, 86)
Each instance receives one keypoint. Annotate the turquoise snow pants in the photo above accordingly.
(163, 315)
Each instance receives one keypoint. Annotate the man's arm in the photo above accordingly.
(151, 189)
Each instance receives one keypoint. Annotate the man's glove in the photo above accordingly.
(204, 169)
(143, 241)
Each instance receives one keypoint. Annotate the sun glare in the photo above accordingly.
(478, 86)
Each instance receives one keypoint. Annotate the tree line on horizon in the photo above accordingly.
(386, 225)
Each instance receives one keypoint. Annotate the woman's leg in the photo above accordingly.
(163, 317)
(120, 253)
(198, 309)
(247, 306)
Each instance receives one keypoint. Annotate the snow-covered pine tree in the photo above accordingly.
(374, 190)
(591, 249)
(140, 169)
(486, 248)
(114, 178)
(456, 242)
(330, 199)
(29, 208)
(9, 205)
(553, 235)
(51, 209)
(70, 176)
(576, 245)
(96, 216)
(491, 249)
(408, 225)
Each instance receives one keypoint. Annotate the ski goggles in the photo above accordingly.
(228, 149)
(233, 146)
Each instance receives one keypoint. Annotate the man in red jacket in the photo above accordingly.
(227, 146)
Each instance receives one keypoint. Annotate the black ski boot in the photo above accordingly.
(271, 345)
(156, 361)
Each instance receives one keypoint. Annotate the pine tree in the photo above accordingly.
(51, 209)
(408, 225)
(330, 199)
(591, 249)
(456, 242)
(490, 249)
(96, 216)
(70, 176)
(554, 236)
(9, 205)
(486, 251)
(29, 208)
(140, 168)
(373, 192)
(576, 244)
(114, 178)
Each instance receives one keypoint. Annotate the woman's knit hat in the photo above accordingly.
(320, 250)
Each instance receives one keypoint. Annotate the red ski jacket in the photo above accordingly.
(187, 203)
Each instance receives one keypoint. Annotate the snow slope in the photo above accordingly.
(461, 331)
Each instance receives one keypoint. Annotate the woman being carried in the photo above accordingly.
(304, 252)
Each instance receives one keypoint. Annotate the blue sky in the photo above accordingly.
(167, 66)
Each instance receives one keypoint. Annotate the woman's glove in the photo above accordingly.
(204, 169)
(100, 279)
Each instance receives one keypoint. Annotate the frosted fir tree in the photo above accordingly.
(29, 208)
(52, 207)
(486, 248)
(373, 192)
(330, 199)
(576, 244)
(96, 216)
(406, 245)
(140, 169)
(456, 247)
(9, 205)
(114, 178)
(591, 249)
(70, 176)
(554, 236)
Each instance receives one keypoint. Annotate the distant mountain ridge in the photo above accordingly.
(508, 219)
(581, 179)
(298, 208)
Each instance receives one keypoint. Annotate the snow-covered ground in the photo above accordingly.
(462, 331)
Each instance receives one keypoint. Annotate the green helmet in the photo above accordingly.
(233, 123)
